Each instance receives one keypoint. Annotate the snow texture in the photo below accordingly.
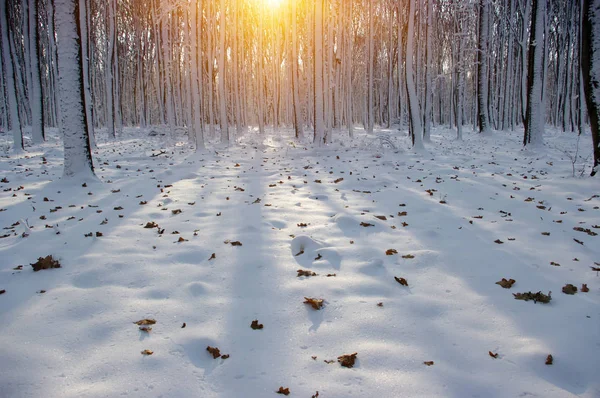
(78, 339)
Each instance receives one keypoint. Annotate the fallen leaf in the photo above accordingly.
(299, 253)
(329, 361)
(146, 329)
(569, 289)
(184, 325)
(214, 351)
(319, 256)
(539, 296)
(584, 288)
(181, 239)
(586, 230)
(338, 180)
(118, 208)
(401, 281)
(498, 241)
(402, 214)
(2, 291)
(151, 224)
(507, 284)
(302, 272)
(212, 257)
(380, 304)
(546, 233)
(578, 241)
(408, 256)
(225, 356)
(302, 225)
(47, 262)
(176, 211)
(391, 252)
(382, 218)
(316, 395)
(549, 360)
(146, 321)
(428, 363)
(347, 360)
(284, 391)
(366, 224)
(147, 352)
(255, 325)
(554, 264)
(493, 355)
(316, 303)
(330, 275)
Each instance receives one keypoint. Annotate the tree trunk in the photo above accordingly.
(590, 67)
(416, 130)
(534, 118)
(77, 152)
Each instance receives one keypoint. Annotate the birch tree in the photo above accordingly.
(77, 152)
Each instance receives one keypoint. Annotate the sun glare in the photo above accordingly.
(273, 3)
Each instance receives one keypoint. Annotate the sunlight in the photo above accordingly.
(273, 3)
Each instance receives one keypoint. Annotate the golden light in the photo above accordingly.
(273, 3)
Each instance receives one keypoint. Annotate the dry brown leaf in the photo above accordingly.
(498, 241)
(578, 241)
(146, 321)
(302, 272)
(184, 325)
(382, 218)
(214, 351)
(181, 239)
(212, 257)
(366, 224)
(316, 303)
(401, 281)
(569, 289)
(428, 363)
(586, 230)
(47, 262)
(146, 329)
(284, 391)
(255, 325)
(402, 214)
(584, 288)
(151, 224)
(225, 356)
(536, 297)
(338, 180)
(554, 264)
(408, 256)
(330, 275)
(347, 360)
(549, 360)
(176, 211)
(380, 304)
(493, 355)
(546, 233)
(2, 291)
(299, 253)
(391, 252)
(507, 284)
(316, 395)
(302, 225)
(147, 352)
(329, 361)
(319, 256)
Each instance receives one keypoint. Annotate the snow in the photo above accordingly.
(78, 338)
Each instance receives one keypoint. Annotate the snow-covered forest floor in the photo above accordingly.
(454, 221)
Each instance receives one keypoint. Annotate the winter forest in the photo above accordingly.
(315, 198)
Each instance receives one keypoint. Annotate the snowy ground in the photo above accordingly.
(78, 339)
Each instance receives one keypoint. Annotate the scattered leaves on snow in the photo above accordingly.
(569, 289)
(302, 272)
(214, 351)
(507, 284)
(147, 321)
(316, 303)
(47, 262)
(401, 281)
(255, 325)
(539, 296)
(347, 360)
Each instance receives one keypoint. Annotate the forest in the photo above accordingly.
(314, 198)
